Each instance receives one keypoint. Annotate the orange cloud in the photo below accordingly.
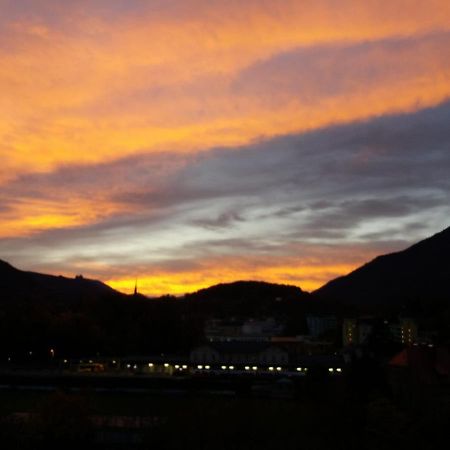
(28, 217)
(73, 95)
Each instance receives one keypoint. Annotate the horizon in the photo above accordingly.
(190, 143)
(179, 295)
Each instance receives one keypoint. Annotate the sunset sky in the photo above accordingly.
(189, 142)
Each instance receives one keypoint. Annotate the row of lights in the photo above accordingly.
(247, 368)
(255, 368)
(207, 367)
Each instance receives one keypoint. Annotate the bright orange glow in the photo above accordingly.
(179, 284)
(309, 274)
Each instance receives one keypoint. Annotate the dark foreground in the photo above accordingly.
(221, 414)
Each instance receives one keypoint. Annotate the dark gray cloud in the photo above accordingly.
(347, 214)
(375, 157)
(223, 220)
(383, 180)
(308, 74)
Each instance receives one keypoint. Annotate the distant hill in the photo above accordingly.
(246, 298)
(17, 284)
(416, 279)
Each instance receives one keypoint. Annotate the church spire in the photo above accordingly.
(136, 288)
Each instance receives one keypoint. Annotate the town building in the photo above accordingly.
(405, 331)
(356, 331)
(319, 325)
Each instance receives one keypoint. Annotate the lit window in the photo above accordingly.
(184, 366)
(207, 367)
(231, 367)
(330, 369)
(278, 369)
(150, 364)
(199, 367)
(299, 369)
(254, 368)
(166, 365)
(247, 368)
(271, 369)
(223, 367)
(339, 370)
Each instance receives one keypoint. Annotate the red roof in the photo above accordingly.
(400, 359)
(425, 362)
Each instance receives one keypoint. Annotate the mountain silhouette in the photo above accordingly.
(16, 285)
(418, 277)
